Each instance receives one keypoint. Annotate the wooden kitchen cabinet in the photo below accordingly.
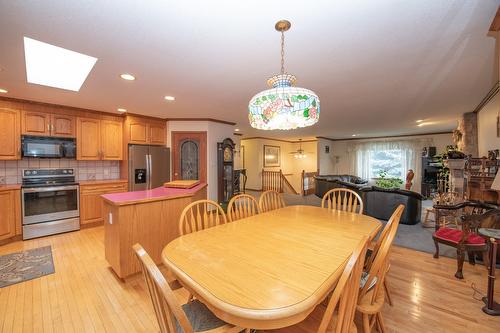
(35, 123)
(140, 130)
(62, 125)
(10, 138)
(10, 213)
(98, 139)
(88, 139)
(111, 140)
(47, 124)
(91, 201)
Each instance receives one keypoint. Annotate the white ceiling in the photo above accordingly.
(377, 66)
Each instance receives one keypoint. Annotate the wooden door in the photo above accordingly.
(157, 134)
(88, 139)
(138, 131)
(62, 126)
(111, 140)
(8, 214)
(10, 138)
(35, 123)
(189, 155)
(90, 207)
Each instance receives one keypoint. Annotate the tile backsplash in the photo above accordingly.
(11, 171)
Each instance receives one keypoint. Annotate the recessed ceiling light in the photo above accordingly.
(236, 129)
(170, 98)
(420, 120)
(3, 91)
(121, 110)
(54, 66)
(128, 77)
(354, 135)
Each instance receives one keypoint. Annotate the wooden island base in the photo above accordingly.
(147, 217)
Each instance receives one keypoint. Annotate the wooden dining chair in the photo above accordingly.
(372, 292)
(171, 315)
(200, 215)
(338, 315)
(343, 199)
(374, 246)
(241, 206)
(270, 200)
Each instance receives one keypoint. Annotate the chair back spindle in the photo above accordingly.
(270, 200)
(200, 215)
(343, 199)
(241, 206)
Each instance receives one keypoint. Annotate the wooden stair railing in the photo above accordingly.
(308, 182)
(276, 181)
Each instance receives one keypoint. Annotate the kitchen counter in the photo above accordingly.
(150, 218)
(103, 181)
(156, 194)
(10, 187)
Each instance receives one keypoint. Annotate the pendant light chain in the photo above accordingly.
(282, 52)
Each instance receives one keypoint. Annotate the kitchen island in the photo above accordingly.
(148, 217)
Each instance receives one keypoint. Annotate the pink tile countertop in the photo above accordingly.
(156, 194)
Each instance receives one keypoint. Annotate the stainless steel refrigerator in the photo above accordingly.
(148, 167)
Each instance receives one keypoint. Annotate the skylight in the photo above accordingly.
(53, 66)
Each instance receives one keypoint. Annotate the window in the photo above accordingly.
(389, 161)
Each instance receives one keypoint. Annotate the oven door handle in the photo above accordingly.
(50, 188)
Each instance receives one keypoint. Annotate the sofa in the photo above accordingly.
(378, 202)
(327, 182)
(381, 203)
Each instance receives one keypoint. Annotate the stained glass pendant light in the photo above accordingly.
(284, 106)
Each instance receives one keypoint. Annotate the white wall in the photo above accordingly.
(216, 132)
(487, 126)
(254, 160)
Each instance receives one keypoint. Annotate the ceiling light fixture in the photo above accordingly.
(170, 98)
(354, 135)
(236, 129)
(420, 120)
(299, 154)
(121, 110)
(284, 106)
(3, 91)
(54, 66)
(128, 77)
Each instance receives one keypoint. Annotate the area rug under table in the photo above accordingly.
(27, 265)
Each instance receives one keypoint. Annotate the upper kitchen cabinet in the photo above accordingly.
(62, 125)
(112, 140)
(139, 130)
(98, 139)
(10, 138)
(88, 139)
(47, 124)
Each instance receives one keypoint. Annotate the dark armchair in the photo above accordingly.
(478, 215)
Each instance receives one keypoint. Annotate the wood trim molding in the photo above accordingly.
(274, 139)
(495, 24)
(202, 119)
(493, 91)
(384, 137)
(59, 106)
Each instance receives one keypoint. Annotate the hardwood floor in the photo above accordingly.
(84, 295)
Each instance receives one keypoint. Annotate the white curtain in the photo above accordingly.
(411, 157)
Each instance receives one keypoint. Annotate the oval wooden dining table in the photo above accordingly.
(269, 270)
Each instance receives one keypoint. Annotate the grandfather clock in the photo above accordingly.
(225, 170)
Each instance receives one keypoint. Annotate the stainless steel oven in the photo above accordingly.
(50, 202)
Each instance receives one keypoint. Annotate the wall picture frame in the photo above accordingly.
(272, 156)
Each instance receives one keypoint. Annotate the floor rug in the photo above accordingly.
(27, 265)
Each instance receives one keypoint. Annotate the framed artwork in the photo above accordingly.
(272, 156)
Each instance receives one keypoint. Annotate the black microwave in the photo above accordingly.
(48, 147)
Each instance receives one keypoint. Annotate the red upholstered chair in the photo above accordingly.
(467, 239)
